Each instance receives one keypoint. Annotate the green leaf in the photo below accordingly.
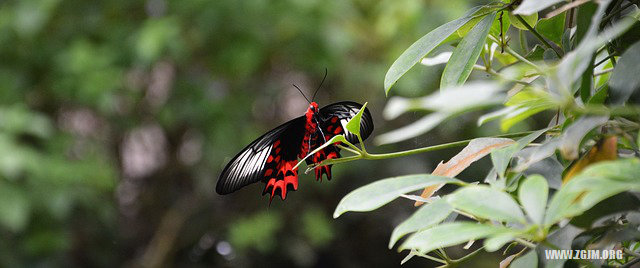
(447, 104)
(573, 135)
(353, 125)
(449, 234)
(537, 104)
(477, 16)
(422, 125)
(495, 242)
(625, 79)
(552, 28)
(532, 20)
(486, 202)
(583, 19)
(536, 53)
(528, 7)
(527, 261)
(574, 63)
(528, 103)
(466, 54)
(420, 49)
(425, 217)
(374, 195)
(596, 183)
(533, 196)
(501, 157)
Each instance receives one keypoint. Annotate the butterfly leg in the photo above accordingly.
(329, 152)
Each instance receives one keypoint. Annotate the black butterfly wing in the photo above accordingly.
(335, 116)
(250, 165)
(333, 119)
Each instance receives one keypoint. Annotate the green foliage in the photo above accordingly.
(375, 195)
(257, 231)
(116, 118)
(559, 80)
(466, 54)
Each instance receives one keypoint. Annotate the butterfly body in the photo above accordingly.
(271, 158)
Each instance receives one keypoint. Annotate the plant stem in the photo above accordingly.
(604, 60)
(544, 41)
(521, 58)
(431, 258)
(467, 257)
(370, 156)
(615, 12)
(525, 243)
(499, 75)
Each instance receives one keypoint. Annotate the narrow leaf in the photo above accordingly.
(353, 125)
(420, 49)
(374, 195)
(495, 242)
(501, 157)
(486, 202)
(466, 54)
(417, 128)
(596, 183)
(533, 196)
(449, 234)
(573, 64)
(425, 217)
(574, 134)
(475, 150)
(625, 79)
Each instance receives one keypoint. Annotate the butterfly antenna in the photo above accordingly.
(305, 97)
(325, 77)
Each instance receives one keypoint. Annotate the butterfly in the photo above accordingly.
(271, 157)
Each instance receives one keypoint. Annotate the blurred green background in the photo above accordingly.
(116, 118)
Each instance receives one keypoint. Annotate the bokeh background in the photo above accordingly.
(117, 117)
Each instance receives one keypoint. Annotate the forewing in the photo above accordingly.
(248, 166)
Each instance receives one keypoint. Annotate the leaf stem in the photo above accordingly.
(431, 258)
(525, 243)
(517, 56)
(467, 257)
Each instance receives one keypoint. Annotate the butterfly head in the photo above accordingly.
(311, 116)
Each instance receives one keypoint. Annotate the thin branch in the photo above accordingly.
(370, 156)
(430, 257)
(534, 32)
(525, 243)
(604, 60)
(517, 56)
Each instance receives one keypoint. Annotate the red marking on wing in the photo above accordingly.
(278, 183)
(321, 156)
